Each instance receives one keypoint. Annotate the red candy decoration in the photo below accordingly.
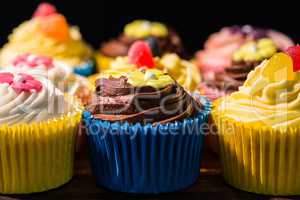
(294, 53)
(32, 61)
(44, 10)
(140, 54)
(21, 82)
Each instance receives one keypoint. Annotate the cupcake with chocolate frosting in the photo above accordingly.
(161, 38)
(38, 126)
(153, 126)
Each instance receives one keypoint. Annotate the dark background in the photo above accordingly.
(194, 20)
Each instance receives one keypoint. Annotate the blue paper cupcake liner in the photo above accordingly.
(144, 158)
(85, 69)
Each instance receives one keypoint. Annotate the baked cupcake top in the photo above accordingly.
(144, 96)
(270, 95)
(47, 34)
(183, 71)
(161, 39)
(30, 98)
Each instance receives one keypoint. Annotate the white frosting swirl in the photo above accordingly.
(60, 73)
(28, 107)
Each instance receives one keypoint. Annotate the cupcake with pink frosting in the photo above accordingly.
(230, 54)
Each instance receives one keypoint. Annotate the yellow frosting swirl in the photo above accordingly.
(269, 97)
(143, 28)
(183, 71)
(28, 38)
(255, 51)
(144, 77)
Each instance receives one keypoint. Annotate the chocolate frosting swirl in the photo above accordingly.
(117, 100)
(119, 46)
(233, 77)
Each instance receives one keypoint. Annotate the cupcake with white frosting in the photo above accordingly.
(38, 126)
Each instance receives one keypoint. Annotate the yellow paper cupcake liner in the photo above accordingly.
(259, 159)
(103, 62)
(39, 156)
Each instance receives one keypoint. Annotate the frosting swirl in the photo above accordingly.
(245, 60)
(27, 99)
(270, 95)
(59, 72)
(120, 98)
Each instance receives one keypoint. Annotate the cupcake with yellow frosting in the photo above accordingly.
(48, 33)
(259, 128)
(59, 72)
(185, 72)
(161, 39)
(38, 126)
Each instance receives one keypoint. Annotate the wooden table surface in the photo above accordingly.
(210, 185)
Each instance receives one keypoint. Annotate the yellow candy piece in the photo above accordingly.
(279, 68)
(255, 51)
(139, 78)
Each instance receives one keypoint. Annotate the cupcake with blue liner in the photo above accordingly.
(48, 33)
(145, 131)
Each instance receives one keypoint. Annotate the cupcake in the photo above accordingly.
(145, 132)
(161, 38)
(259, 128)
(60, 73)
(47, 33)
(230, 54)
(38, 125)
(185, 72)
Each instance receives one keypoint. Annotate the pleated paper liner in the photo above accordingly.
(259, 159)
(39, 156)
(144, 158)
